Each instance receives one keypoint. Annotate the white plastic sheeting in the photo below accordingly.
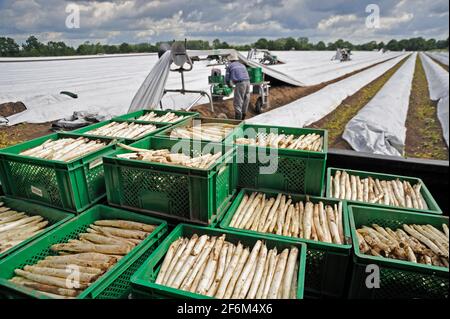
(440, 56)
(318, 67)
(313, 107)
(438, 83)
(379, 127)
(151, 91)
(104, 86)
(107, 84)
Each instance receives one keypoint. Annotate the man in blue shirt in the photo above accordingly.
(237, 74)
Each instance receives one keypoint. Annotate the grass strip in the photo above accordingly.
(424, 137)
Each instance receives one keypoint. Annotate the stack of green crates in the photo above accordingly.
(176, 192)
(433, 207)
(143, 281)
(72, 186)
(397, 278)
(291, 171)
(85, 131)
(114, 284)
(327, 265)
(54, 217)
(134, 116)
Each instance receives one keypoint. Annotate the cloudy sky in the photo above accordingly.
(232, 21)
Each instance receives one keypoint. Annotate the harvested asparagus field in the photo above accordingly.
(424, 140)
(335, 122)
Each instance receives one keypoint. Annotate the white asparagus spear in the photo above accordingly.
(278, 276)
(259, 271)
(229, 272)
(288, 279)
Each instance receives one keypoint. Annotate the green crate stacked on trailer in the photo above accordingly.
(72, 186)
(140, 116)
(327, 264)
(144, 279)
(54, 218)
(433, 207)
(281, 169)
(173, 191)
(396, 278)
(114, 284)
(197, 124)
(87, 130)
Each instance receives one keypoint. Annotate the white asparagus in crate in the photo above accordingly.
(91, 255)
(424, 244)
(16, 227)
(395, 193)
(65, 149)
(166, 118)
(123, 130)
(306, 142)
(226, 270)
(205, 131)
(281, 216)
(166, 157)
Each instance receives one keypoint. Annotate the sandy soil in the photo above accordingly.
(280, 95)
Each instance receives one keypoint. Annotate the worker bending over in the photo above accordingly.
(237, 73)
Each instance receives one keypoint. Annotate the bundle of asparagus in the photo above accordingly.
(423, 244)
(216, 268)
(65, 149)
(166, 157)
(281, 216)
(123, 130)
(215, 132)
(17, 227)
(102, 245)
(307, 142)
(167, 118)
(375, 191)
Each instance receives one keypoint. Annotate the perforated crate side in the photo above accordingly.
(156, 191)
(26, 176)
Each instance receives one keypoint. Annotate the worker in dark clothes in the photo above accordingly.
(237, 74)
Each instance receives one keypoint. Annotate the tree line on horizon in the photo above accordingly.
(34, 48)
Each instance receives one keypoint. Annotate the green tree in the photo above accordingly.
(291, 44)
(320, 46)
(393, 45)
(8, 47)
(262, 44)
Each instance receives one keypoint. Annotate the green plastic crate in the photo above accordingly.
(53, 216)
(327, 265)
(432, 204)
(72, 186)
(174, 192)
(135, 115)
(114, 284)
(84, 131)
(398, 279)
(300, 172)
(228, 140)
(144, 279)
(255, 74)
